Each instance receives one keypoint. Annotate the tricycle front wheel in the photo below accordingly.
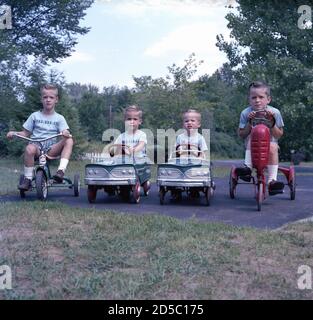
(41, 185)
(76, 184)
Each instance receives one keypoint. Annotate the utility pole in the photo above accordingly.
(110, 116)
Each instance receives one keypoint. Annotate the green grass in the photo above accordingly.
(57, 252)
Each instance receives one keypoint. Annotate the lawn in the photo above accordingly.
(57, 252)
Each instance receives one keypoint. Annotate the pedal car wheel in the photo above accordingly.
(76, 184)
(146, 187)
(41, 185)
(136, 193)
(207, 195)
(162, 195)
(125, 193)
(22, 192)
(92, 194)
(260, 196)
(232, 185)
(292, 185)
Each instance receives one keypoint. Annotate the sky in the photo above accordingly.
(143, 37)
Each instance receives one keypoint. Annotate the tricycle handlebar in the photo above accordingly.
(37, 140)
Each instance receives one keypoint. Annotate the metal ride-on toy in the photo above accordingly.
(42, 179)
(190, 174)
(122, 175)
(260, 147)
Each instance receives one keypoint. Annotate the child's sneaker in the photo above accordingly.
(275, 187)
(244, 173)
(25, 185)
(58, 177)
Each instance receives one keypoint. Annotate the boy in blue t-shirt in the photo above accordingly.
(43, 124)
(135, 139)
(259, 99)
(191, 136)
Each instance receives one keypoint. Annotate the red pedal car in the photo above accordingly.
(260, 147)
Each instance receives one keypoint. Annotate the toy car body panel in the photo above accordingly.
(180, 172)
(120, 170)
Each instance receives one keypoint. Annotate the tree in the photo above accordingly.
(167, 97)
(45, 29)
(268, 45)
(92, 115)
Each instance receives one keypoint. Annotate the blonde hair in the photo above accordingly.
(133, 108)
(192, 111)
(262, 85)
(49, 87)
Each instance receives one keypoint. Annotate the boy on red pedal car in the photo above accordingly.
(259, 99)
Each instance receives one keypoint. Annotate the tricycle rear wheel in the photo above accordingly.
(232, 185)
(292, 186)
(22, 192)
(76, 184)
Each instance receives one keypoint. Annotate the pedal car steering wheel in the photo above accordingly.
(123, 146)
(262, 117)
(189, 151)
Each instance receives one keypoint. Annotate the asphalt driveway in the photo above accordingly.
(241, 211)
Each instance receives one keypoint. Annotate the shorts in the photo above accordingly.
(46, 145)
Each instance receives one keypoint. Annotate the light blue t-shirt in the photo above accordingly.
(43, 126)
(132, 140)
(195, 139)
(277, 115)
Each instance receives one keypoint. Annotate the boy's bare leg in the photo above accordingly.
(31, 151)
(63, 148)
(273, 156)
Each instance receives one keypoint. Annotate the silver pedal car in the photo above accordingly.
(186, 171)
(121, 175)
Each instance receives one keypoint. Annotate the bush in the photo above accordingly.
(226, 146)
